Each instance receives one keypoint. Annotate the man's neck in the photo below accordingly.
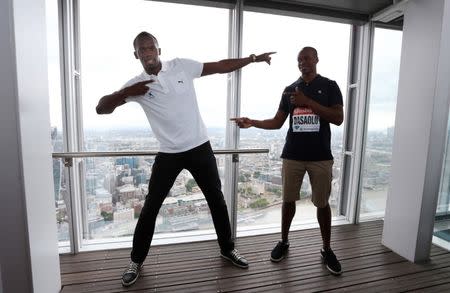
(155, 70)
(309, 77)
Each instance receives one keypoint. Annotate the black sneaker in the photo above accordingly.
(131, 274)
(279, 252)
(330, 260)
(235, 258)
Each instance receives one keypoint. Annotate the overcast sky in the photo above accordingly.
(108, 28)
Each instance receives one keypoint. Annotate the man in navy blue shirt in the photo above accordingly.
(312, 102)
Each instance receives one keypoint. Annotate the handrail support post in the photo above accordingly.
(68, 162)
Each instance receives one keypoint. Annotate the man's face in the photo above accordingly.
(147, 51)
(307, 61)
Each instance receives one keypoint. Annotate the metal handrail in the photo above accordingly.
(149, 153)
(69, 156)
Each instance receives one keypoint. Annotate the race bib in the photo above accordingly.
(304, 120)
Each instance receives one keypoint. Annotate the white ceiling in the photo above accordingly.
(367, 7)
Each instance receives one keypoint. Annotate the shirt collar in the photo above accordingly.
(300, 80)
(164, 67)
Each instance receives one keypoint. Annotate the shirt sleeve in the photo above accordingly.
(192, 68)
(284, 102)
(335, 94)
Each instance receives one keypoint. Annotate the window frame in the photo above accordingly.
(354, 132)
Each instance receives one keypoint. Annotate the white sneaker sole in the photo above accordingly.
(277, 259)
(132, 282)
(329, 269)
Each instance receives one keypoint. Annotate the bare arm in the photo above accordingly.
(273, 123)
(108, 103)
(229, 65)
(333, 114)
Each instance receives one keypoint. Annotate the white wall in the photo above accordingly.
(420, 129)
(28, 246)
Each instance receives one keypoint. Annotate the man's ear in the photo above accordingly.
(159, 51)
(135, 55)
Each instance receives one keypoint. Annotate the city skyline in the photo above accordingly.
(114, 188)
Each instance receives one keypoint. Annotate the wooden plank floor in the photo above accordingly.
(197, 267)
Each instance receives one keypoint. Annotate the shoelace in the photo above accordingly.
(133, 268)
(235, 254)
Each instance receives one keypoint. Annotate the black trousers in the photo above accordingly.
(201, 163)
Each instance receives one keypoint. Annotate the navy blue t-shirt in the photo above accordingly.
(309, 136)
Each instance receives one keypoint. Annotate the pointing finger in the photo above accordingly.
(146, 81)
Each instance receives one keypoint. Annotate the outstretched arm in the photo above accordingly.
(109, 103)
(229, 65)
(274, 123)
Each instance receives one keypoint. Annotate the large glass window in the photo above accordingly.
(107, 62)
(442, 219)
(112, 189)
(115, 193)
(381, 121)
(115, 187)
(260, 199)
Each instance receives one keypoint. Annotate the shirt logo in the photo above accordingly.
(180, 81)
(319, 91)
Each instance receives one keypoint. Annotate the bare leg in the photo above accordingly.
(324, 219)
(287, 214)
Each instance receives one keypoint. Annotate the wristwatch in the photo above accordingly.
(253, 56)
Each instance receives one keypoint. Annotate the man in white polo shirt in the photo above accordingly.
(165, 90)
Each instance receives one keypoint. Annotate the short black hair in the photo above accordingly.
(142, 35)
(310, 48)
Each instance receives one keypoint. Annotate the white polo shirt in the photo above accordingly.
(171, 105)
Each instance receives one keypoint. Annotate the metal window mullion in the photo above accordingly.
(66, 22)
(348, 122)
(70, 101)
(233, 110)
(362, 110)
(78, 115)
(356, 90)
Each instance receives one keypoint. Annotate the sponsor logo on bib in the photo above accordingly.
(304, 120)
